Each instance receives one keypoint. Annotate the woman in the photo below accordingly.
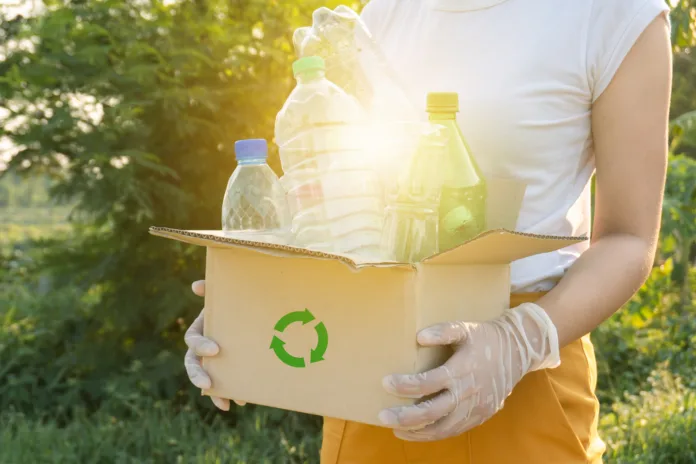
(550, 91)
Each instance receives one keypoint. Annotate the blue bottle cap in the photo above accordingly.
(251, 149)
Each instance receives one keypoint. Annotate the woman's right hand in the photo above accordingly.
(199, 346)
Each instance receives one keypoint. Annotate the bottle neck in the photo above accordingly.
(309, 76)
(434, 116)
(251, 162)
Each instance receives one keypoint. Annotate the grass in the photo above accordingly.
(655, 427)
(159, 435)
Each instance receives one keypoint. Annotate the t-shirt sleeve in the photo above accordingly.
(615, 26)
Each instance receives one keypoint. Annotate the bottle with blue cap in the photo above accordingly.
(254, 206)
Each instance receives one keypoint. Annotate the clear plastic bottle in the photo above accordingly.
(411, 225)
(317, 120)
(355, 62)
(254, 206)
(334, 193)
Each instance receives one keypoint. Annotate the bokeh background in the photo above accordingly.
(116, 115)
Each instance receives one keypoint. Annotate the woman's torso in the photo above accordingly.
(527, 73)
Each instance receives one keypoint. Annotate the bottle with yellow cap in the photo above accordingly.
(462, 212)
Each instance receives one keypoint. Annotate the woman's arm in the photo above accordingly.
(630, 130)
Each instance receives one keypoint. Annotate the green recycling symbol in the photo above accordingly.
(305, 317)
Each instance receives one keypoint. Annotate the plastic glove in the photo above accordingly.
(490, 358)
(201, 346)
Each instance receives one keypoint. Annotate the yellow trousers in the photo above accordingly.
(550, 418)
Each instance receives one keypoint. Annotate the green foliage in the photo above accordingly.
(127, 112)
(683, 87)
(679, 214)
(18, 192)
(158, 435)
(131, 108)
(657, 426)
(653, 328)
(683, 24)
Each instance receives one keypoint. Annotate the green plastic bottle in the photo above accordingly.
(462, 212)
(411, 223)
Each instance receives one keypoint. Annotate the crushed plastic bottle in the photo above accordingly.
(254, 206)
(333, 192)
(318, 121)
(355, 62)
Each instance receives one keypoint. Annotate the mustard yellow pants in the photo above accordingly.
(550, 418)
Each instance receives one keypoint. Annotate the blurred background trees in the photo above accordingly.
(121, 114)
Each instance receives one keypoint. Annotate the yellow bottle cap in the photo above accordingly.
(443, 102)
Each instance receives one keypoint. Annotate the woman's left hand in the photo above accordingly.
(489, 359)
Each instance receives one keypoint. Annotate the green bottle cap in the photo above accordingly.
(443, 102)
(308, 63)
(456, 219)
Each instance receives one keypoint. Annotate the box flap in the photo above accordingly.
(218, 239)
(498, 246)
(502, 246)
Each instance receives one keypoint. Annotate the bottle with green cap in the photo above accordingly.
(333, 191)
(315, 118)
(462, 211)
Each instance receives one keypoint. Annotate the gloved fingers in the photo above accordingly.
(198, 287)
(447, 333)
(421, 414)
(463, 418)
(195, 371)
(418, 385)
(195, 340)
(221, 403)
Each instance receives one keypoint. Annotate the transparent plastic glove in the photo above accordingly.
(489, 359)
(355, 62)
(198, 346)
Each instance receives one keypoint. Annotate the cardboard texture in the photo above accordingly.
(361, 319)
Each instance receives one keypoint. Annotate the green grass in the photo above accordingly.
(159, 435)
(656, 427)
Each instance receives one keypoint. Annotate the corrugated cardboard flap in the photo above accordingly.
(218, 239)
(498, 246)
(502, 246)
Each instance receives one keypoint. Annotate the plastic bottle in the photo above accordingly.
(254, 206)
(334, 194)
(317, 120)
(355, 62)
(462, 213)
(411, 224)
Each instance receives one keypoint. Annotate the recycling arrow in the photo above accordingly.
(322, 343)
(278, 345)
(298, 316)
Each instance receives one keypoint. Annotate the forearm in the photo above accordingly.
(604, 278)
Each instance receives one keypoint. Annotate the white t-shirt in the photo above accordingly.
(527, 73)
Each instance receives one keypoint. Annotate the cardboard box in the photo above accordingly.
(316, 333)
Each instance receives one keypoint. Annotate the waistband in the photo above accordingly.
(517, 299)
